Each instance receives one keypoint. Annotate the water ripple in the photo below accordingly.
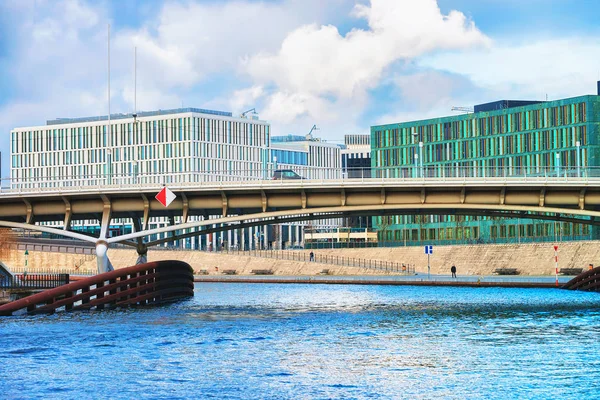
(314, 341)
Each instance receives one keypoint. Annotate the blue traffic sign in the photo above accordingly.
(428, 249)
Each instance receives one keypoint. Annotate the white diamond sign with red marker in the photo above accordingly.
(165, 197)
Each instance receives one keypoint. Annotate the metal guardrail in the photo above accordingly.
(33, 281)
(303, 256)
(142, 284)
(306, 177)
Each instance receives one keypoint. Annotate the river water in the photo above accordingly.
(264, 341)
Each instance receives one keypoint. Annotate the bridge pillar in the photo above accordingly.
(142, 251)
(104, 264)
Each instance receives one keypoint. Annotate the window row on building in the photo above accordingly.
(142, 133)
(289, 157)
(501, 145)
(474, 126)
(510, 231)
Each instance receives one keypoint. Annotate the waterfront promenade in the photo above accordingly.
(471, 260)
(397, 280)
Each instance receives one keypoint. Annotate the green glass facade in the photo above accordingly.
(528, 139)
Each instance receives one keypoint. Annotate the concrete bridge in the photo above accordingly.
(240, 204)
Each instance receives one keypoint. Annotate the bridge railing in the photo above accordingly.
(142, 284)
(294, 174)
(304, 256)
(33, 281)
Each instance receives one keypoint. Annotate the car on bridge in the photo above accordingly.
(285, 174)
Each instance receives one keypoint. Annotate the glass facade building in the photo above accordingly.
(557, 136)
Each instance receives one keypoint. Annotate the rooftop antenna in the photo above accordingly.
(252, 110)
(314, 128)
(134, 84)
(108, 128)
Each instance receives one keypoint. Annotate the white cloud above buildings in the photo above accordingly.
(316, 67)
(340, 64)
(560, 67)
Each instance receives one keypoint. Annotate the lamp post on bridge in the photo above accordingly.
(421, 159)
(557, 164)
(416, 174)
(578, 157)
(418, 155)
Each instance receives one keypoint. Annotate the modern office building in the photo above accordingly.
(356, 163)
(356, 156)
(309, 158)
(504, 137)
(186, 145)
(180, 145)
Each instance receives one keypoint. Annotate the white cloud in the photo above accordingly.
(244, 98)
(191, 40)
(558, 67)
(318, 61)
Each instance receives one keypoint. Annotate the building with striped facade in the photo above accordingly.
(310, 157)
(180, 145)
(185, 145)
(556, 137)
(165, 146)
(356, 155)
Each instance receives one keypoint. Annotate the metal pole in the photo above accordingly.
(421, 159)
(578, 158)
(109, 141)
(416, 173)
(26, 263)
(134, 81)
(428, 268)
(556, 264)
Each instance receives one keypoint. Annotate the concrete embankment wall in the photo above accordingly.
(530, 259)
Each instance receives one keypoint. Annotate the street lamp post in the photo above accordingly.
(416, 174)
(26, 262)
(578, 157)
(557, 164)
(421, 158)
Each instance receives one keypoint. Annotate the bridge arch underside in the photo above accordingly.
(259, 218)
(282, 202)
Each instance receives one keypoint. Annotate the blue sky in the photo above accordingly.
(340, 64)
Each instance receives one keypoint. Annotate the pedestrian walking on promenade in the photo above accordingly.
(453, 270)
(312, 256)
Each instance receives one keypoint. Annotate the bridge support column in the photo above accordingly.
(142, 251)
(104, 264)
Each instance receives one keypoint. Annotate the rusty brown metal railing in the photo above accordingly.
(144, 284)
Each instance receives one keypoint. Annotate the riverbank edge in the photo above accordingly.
(374, 281)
